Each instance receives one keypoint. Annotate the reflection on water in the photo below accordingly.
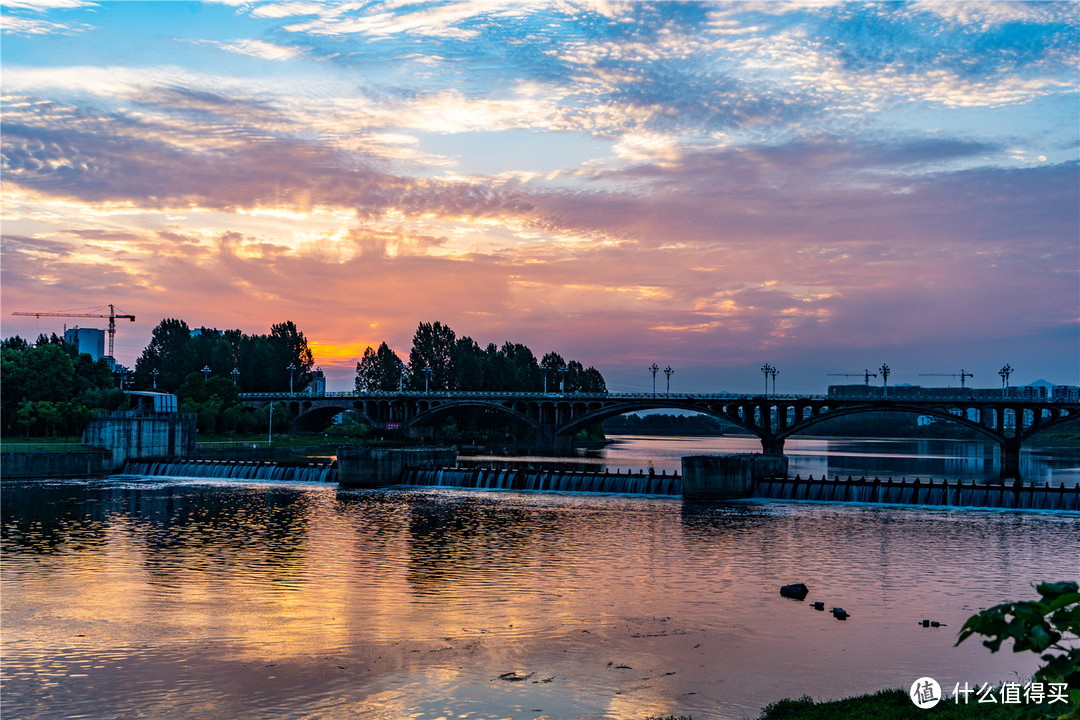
(138, 597)
(897, 458)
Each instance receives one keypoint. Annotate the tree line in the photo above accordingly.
(49, 388)
(440, 360)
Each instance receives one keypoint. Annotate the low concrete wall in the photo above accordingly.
(726, 477)
(129, 437)
(75, 463)
(381, 467)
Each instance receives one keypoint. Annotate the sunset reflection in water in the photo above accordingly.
(137, 597)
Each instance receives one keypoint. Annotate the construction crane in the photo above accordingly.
(865, 375)
(963, 375)
(113, 315)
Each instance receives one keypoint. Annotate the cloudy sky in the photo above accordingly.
(822, 186)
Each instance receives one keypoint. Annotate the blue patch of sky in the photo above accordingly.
(515, 150)
(873, 35)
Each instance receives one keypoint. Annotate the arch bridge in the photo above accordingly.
(557, 417)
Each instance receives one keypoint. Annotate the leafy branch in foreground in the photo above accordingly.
(1038, 626)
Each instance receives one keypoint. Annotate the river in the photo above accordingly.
(131, 597)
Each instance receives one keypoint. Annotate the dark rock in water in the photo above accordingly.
(819, 605)
(926, 623)
(935, 623)
(796, 592)
(514, 676)
(839, 613)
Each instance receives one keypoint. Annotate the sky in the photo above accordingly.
(825, 187)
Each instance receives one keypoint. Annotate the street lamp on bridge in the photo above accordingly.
(773, 371)
(291, 369)
(884, 370)
(545, 367)
(427, 376)
(1005, 372)
(154, 373)
(766, 369)
(205, 372)
(668, 371)
(235, 375)
(653, 368)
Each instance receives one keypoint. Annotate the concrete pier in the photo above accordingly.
(727, 477)
(381, 467)
(149, 435)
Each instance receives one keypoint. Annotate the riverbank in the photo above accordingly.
(888, 705)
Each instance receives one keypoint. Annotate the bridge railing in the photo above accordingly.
(502, 395)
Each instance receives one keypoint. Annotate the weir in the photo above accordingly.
(544, 480)
(234, 470)
(948, 493)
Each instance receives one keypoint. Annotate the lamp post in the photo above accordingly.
(291, 369)
(205, 372)
(235, 374)
(766, 369)
(884, 370)
(545, 367)
(154, 373)
(668, 371)
(1005, 372)
(270, 436)
(563, 371)
(773, 371)
(427, 377)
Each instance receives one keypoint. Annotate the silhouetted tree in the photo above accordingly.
(379, 369)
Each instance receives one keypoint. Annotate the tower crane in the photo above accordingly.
(866, 375)
(963, 375)
(113, 315)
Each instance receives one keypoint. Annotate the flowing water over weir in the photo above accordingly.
(544, 480)
(235, 470)
(922, 492)
(952, 493)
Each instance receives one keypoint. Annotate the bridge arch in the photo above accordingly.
(942, 413)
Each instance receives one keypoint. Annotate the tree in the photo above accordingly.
(170, 353)
(1038, 626)
(379, 369)
(288, 346)
(433, 347)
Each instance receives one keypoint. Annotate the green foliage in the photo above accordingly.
(885, 705)
(50, 389)
(261, 362)
(439, 360)
(1038, 626)
(379, 369)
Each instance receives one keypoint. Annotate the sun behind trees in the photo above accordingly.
(441, 361)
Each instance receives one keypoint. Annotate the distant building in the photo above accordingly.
(86, 340)
(148, 403)
(1065, 393)
(318, 383)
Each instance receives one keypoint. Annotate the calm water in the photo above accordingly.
(179, 598)
(935, 459)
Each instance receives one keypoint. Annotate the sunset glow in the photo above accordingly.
(823, 186)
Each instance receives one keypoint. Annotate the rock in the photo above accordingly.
(818, 605)
(839, 613)
(797, 591)
(514, 676)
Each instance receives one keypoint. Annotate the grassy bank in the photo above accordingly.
(888, 705)
(883, 705)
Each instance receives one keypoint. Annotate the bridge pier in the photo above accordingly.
(728, 477)
(772, 446)
(1010, 459)
(548, 442)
